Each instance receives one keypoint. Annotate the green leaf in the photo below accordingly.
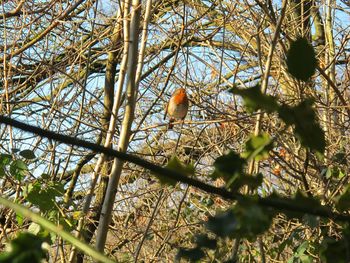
(311, 220)
(36, 195)
(302, 248)
(34, 228)
(301, 59)
(252, 181)
(2, 171)
(301, 116)
(19, 219)
(329, 172)
(258, 147)
(239, 180)
(306, 259)
(341, 174)
(53, 237)
(254, 99)
(334, 251)
(5, 159)
(301, 254)
(230, 168)
(252, 219)
(45, 176)
(67, 222)
(57, 188)
(25, 248)
(246, 219)
(334, 172)
(176, 165)
(193, 254)
(340, 158)
(223, 224)
(44, 196)
(343, 201)
(204, 241)
(18, 169)
(307, 129)
(207, 201)
(228, 165)
(28, 154)
(15, 150)
(289, 241)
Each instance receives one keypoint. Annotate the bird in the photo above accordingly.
(177, 106)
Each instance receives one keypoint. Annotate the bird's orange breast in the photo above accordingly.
(180, 98)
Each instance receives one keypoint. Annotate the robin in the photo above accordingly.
(177, 106)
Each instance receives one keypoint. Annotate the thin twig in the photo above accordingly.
(155, 209)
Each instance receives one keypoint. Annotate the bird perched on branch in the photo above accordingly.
(177, 106)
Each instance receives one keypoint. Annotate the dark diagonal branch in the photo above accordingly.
(281, 204)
